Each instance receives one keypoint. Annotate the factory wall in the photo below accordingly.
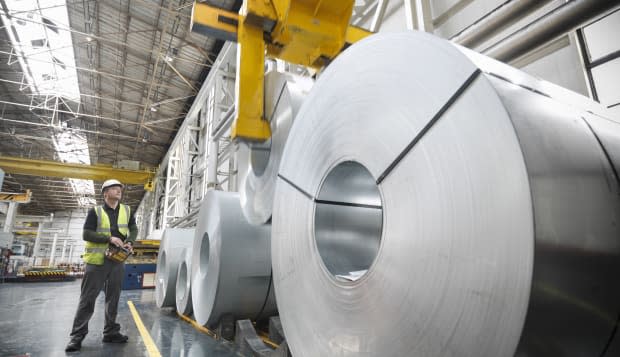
(560, 61)
(68, 228)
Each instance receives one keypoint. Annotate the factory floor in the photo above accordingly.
(36, 319)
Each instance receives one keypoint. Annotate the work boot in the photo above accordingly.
(74, 345)
(116, 338)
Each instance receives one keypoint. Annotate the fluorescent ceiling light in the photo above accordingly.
(44, 47)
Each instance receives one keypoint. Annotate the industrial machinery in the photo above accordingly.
(140, 267)
(309, 33)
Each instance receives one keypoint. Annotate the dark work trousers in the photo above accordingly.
(109, 277)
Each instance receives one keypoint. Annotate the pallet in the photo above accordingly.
(251, 344)
(243, 333)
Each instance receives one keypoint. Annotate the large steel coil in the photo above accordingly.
(231, 263)
(285, 94)
(183, 294)
(433, 202)
(174, 242)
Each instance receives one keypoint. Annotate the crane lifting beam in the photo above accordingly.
(17, 165)
(304, 32)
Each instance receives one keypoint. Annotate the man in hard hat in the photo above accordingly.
(109, 224)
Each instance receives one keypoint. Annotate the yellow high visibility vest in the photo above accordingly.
(94, 252)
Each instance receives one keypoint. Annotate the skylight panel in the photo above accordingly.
(73, 148)
(51, 26)
(43, 45)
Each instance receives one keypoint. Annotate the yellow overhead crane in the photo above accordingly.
(304, 32)
(17, 165)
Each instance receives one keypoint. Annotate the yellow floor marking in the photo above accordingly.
(151, 348)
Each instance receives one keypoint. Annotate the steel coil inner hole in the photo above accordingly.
(162, 268)
(348, 221)
(259, 156)
(204, 253)
(182, 281)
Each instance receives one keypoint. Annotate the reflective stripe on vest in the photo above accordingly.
(122, 222)
(94, 252)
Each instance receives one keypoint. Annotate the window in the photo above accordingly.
(601, 55)
(59, 62)
(45, 44)
(49, 77)
(50, 25)
(38, 43)
(599, 36)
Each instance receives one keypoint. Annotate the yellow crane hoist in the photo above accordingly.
(304, 32)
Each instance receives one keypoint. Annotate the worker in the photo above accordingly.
(111, 224)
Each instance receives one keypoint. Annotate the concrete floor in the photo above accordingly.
(36, 318)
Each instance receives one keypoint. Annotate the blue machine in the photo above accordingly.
(134, 275)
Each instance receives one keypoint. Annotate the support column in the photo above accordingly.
(64, 247)
(37, 243)
(9, 221)
(214, 147)
(10, 217)
(53, 249)
(232, 169)
(170, 171)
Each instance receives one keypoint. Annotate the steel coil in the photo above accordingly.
(173, 243)
(183, 294)
(231, 263)
(431, 202)
(285, 94)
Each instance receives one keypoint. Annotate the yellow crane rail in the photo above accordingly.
(21, 166)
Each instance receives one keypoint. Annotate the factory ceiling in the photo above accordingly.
(105, 82)
(95, 82)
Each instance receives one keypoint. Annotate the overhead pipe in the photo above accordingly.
(378, 17)
(418, 15)
(550, 26)
(491, 24)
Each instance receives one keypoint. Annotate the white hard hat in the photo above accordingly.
(110, 183)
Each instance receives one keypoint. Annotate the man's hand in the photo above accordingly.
(129, 247)
(116, 241)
